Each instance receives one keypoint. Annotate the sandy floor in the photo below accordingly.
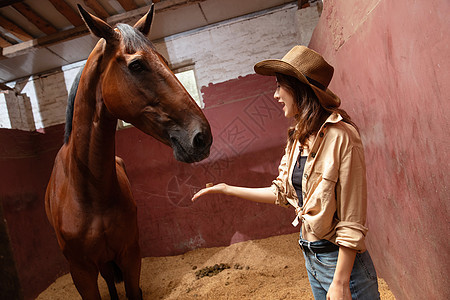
(270, 268)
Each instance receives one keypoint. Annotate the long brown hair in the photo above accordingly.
(311, 115)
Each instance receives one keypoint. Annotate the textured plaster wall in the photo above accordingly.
(392, 73)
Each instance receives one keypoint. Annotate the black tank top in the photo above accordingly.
(297, 175)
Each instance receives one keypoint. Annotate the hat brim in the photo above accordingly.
(270, 67)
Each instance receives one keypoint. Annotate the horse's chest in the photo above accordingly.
(93, 230)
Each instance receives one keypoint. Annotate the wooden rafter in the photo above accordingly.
(67, 11)
(97, 8)
(31, 45)
(4, 43)
(34, 18)
(14, 29)
(44, 41)
(9, 39)
(4, 3)
(128, 4)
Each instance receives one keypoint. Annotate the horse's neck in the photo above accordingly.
(93, 130)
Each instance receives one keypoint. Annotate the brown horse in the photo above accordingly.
(88, 200)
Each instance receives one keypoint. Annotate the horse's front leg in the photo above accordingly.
(85, 279)
(107, 272)
(130, 263)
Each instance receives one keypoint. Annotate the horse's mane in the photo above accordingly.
(133, 40)
(70, 104)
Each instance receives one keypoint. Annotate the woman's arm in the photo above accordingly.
(263, 195)
(340, 287)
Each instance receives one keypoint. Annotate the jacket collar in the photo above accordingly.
(334, 118)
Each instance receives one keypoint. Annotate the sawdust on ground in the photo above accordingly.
(271, 268)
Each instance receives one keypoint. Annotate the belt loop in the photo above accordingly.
(309, 247)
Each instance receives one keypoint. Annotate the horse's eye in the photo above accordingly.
(136, 66)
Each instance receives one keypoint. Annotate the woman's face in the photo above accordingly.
(285, 96)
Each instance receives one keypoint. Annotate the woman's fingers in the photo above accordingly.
(198, 194)
(209, 189)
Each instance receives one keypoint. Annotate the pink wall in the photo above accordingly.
(392, 66)
(249, 132)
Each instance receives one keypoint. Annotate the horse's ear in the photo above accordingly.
(97, 26)
(145, 23)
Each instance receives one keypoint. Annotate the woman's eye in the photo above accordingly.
(136, 66)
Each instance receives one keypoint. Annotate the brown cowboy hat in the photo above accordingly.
(309, 67)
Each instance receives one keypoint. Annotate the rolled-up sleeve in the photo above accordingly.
(352, 200)
(278, 185)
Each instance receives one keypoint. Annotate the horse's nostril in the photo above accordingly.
(199, 140)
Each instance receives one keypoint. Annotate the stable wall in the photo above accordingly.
(246, 151)
(392, 73)
(249, 135)
(26, 161)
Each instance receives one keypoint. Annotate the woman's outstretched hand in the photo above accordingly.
(210, 189)
(263, 195)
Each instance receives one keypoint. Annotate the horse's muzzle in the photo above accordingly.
(190, 148)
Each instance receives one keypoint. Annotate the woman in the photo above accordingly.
(321, 175)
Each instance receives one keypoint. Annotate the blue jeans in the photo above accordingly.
(321, 267)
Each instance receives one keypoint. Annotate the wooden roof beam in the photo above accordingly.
(67, 11)
(45, 41)
(4, 43)
(8, 39)
(34, 18)
(128, 4)
(29, 46)
(4, 3)
(14, 29)
(97, 8)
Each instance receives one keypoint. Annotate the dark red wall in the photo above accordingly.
(249, 132)
(26, 160)
(392, 67)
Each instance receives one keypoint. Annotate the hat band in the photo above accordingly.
(316, 83)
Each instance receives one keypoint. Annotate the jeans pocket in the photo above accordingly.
(328, 260)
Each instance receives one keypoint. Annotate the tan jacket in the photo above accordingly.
(333, 186)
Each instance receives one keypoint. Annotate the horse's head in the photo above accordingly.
(138, 87)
